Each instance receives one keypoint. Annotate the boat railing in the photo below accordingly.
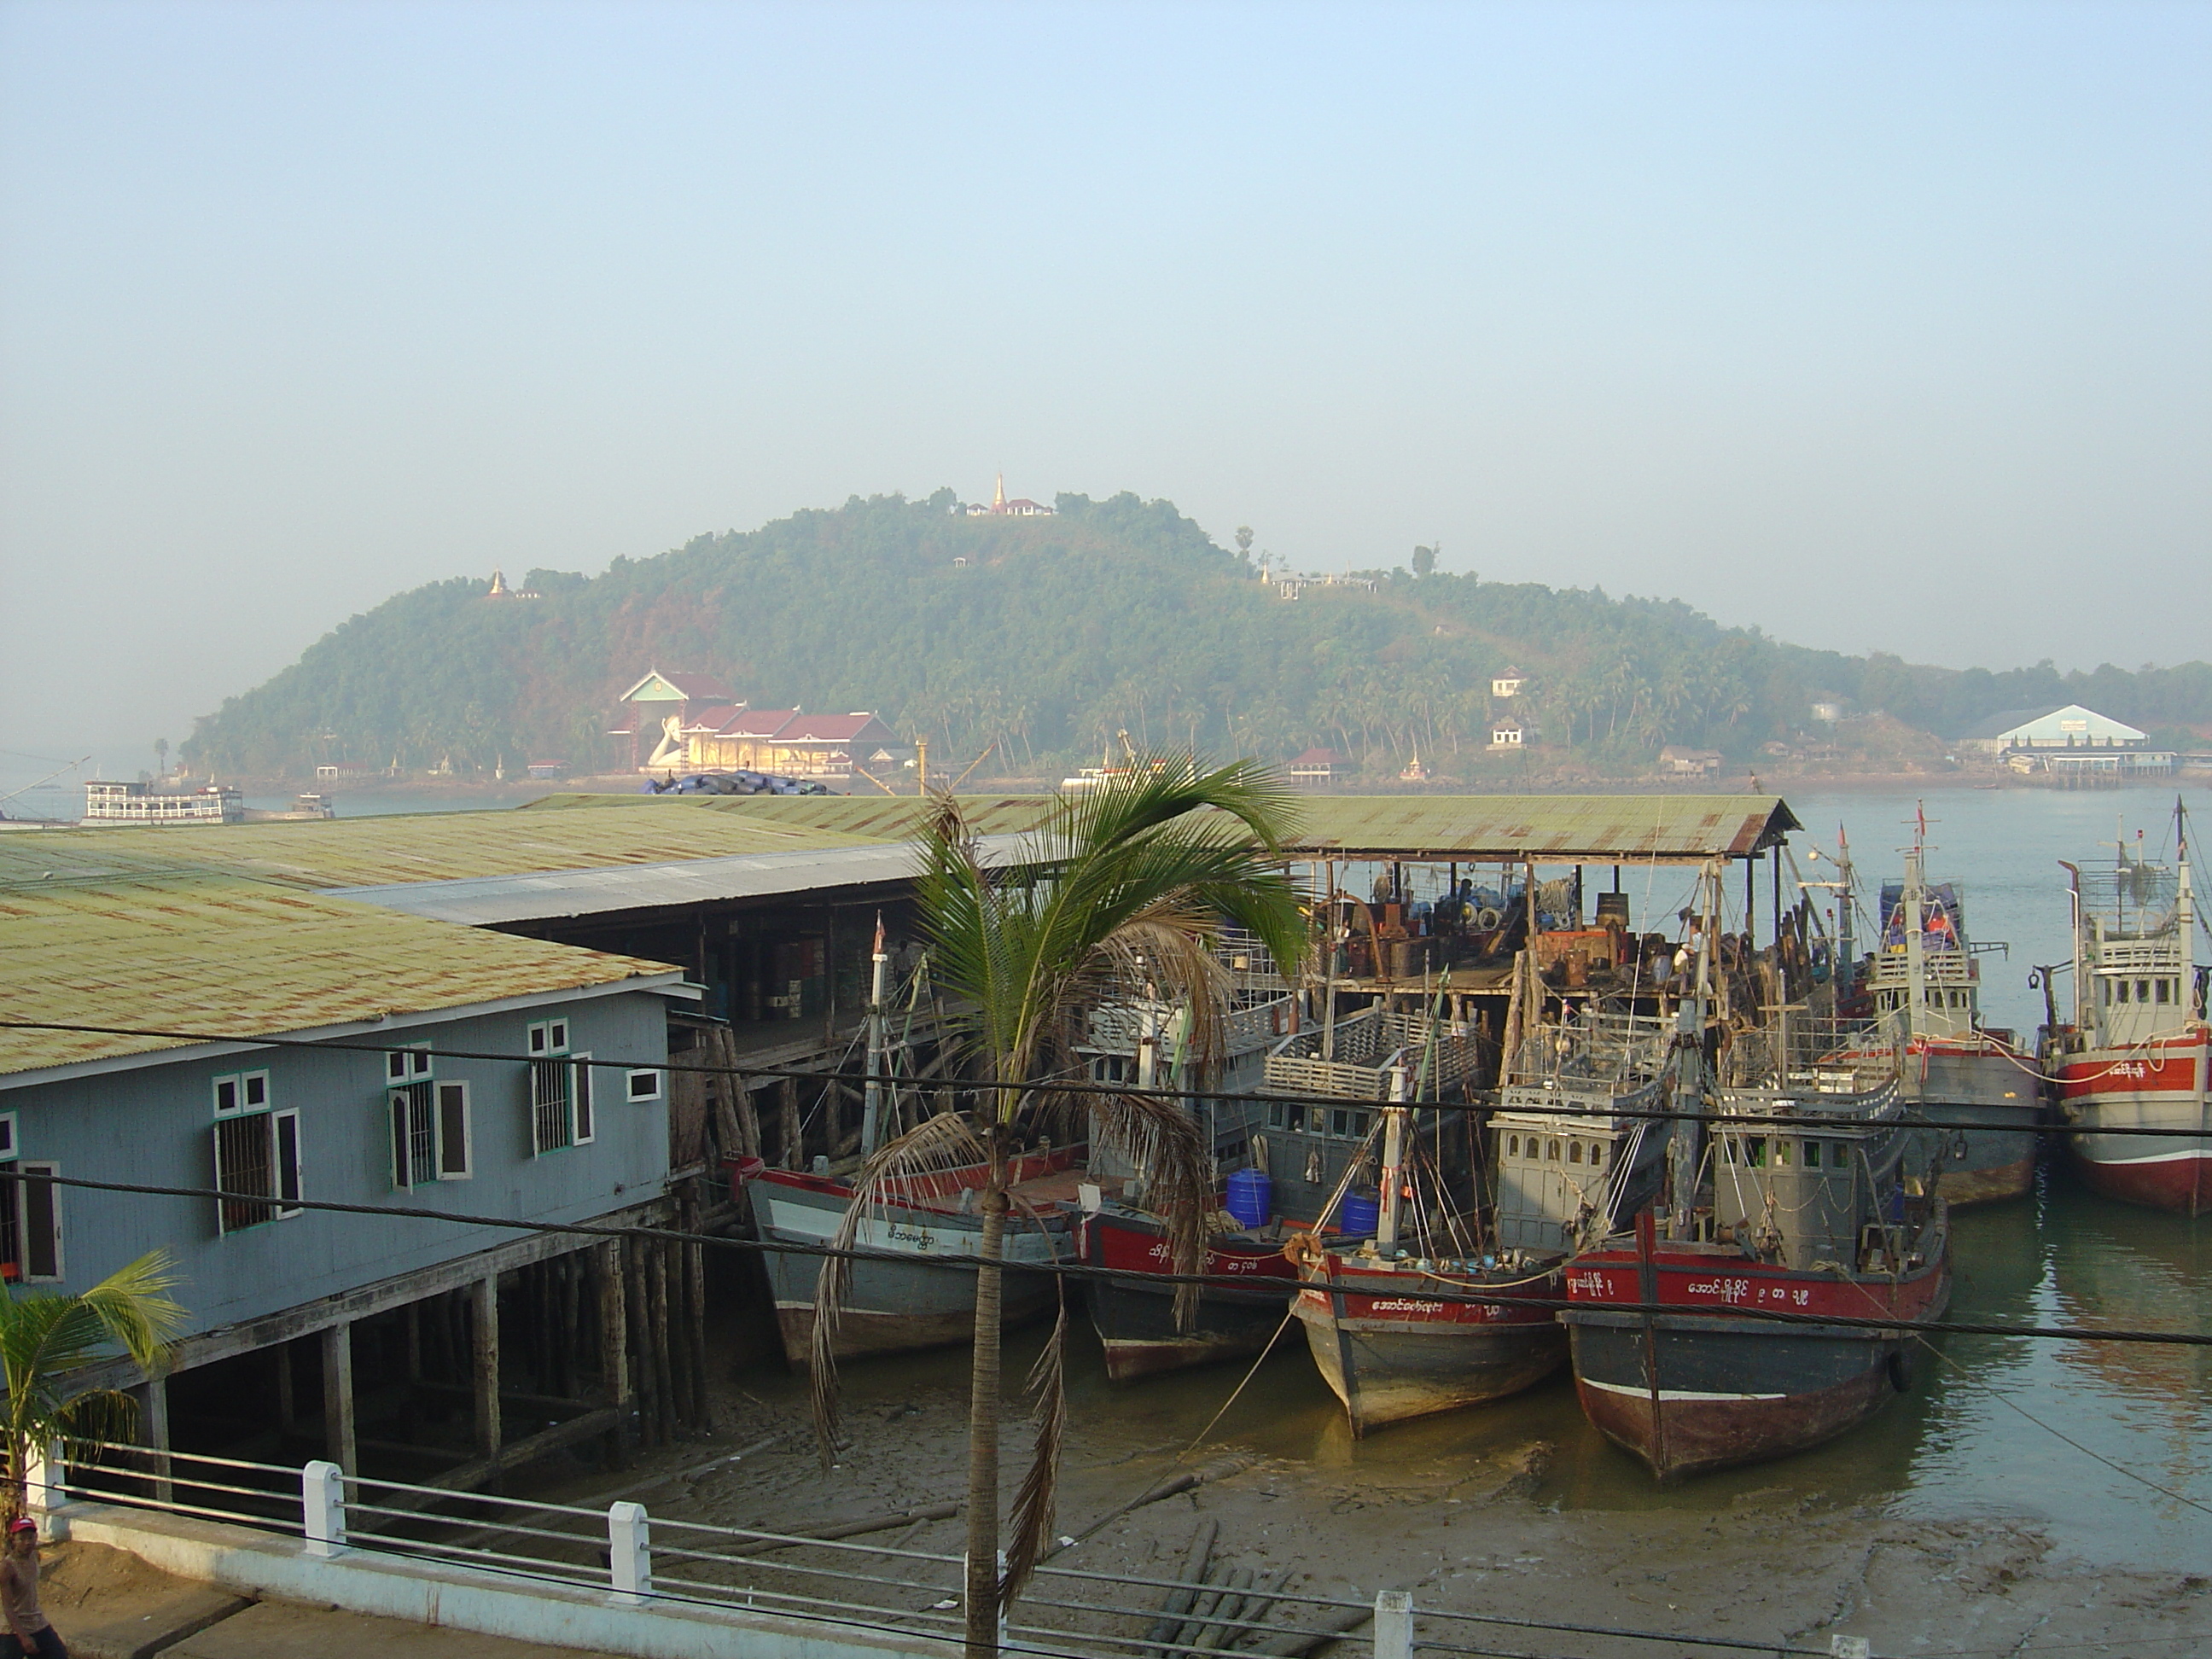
(1255, 1022)
(1821, 1056)
(2135, 901)
(1361, 1050)
(1251, 966)
(1619, 1051)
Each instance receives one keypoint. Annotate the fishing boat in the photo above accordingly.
(1283, 1161)
(901, 1306)
(1924, 986)
(1813, 1198)
(2134, 1059)
(1573, 1147)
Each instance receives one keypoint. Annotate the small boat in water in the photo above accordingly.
(1283, 1161)
(2135, 1057)
(1570, 1152)
(898, 1307)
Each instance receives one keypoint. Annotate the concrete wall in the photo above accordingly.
(154, 1125)
(520, 1608)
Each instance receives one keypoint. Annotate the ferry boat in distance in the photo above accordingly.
(1924, 986)
(2135, 1057)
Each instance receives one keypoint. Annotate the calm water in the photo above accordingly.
(1960, 1444)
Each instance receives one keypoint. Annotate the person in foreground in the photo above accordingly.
(29, 1632)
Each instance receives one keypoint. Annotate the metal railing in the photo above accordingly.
(643, 1561)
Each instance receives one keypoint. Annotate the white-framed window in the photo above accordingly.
(241, 1091)
(560, 1090)
(30, 1216)
(432, 1136)
(406, 1065)
(642, 1085)
(257, 1154)
(582, 1129)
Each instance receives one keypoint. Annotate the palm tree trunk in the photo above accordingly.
(982, 1596)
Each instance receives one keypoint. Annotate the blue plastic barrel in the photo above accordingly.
(1360, 1214)
(1251, 1197)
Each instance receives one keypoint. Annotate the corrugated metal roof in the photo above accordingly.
(871, 816)
(1595, 829)
(1560, 829)
(225, 954)
(424, 847)
(488, 901)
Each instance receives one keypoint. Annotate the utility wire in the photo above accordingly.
(671, 1069)
(1086, 1271)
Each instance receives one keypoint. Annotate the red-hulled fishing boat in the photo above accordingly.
(1822, 1207)
(2135, 1057)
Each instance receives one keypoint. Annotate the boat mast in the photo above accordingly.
(1915, 955)
(1394, 1164)
(1689, 1093)
(1846, 945)
(871, 1108)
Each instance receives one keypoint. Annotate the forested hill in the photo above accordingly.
(1051, 634)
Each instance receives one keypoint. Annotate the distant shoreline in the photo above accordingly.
(513, 792)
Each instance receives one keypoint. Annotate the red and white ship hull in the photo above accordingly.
(2158, 1086)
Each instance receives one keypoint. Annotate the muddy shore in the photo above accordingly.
(1474, 1533)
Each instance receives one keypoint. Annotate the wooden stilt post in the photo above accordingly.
(641, 1341)
(483, 1322)
(656, 1269)
(614, 1349)
(287, 1409)
(794, 1148)
(694, 1273)
(338, 1399)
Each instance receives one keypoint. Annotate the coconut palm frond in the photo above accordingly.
(1166, 1142)
(99, 1416)
(47, 1340)
(916, 1164)
(1036, 1499)
(133, 1305)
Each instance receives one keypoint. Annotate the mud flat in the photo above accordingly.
(1479, 1536)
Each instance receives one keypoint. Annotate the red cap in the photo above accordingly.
(23, 1523)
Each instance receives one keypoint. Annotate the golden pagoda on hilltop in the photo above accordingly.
(1020, 507)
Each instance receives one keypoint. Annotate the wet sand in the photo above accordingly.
(1469, 1524)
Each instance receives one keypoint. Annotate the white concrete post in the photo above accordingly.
(43, 1492)
(322, 1507)
(630, 1553)
(1394, 1624)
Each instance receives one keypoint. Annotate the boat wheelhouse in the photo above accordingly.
(1924, 986)
(2132, 1067)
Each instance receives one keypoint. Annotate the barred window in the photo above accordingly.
(550, 1127)
(257, 1154)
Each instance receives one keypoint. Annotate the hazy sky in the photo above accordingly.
(1879, 327)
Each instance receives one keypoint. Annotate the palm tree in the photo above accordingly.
(1121, 892)
(47, 1340)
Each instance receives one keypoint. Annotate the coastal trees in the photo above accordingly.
(46, 1338)
(1121, 895)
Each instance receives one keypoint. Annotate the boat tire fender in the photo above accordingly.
(1900, 1371)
